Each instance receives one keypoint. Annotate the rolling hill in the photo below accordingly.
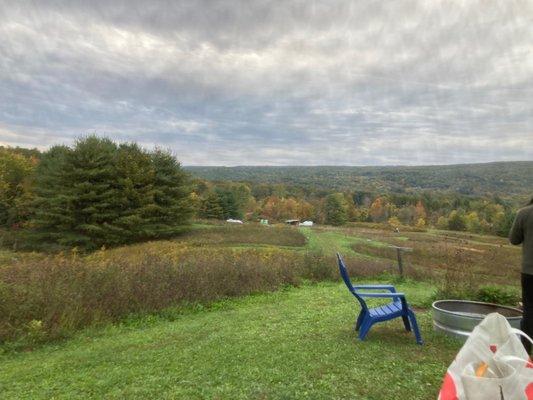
(502, 178)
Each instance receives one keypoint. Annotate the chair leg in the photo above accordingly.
(414, 324)
(359, 320)
(406, 323)
(365, 327)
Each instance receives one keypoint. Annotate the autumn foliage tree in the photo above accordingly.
(16, 192)
(420, 212)
(378, 210)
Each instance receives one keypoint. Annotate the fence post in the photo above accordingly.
(399, 251)
(400, 262)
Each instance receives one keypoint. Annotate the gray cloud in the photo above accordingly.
(255, 82)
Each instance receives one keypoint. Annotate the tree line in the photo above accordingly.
(98, 192)
(92, 194)
(278, 202)
(503, 178)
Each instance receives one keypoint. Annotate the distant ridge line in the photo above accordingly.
(359, 166)
(503, 178)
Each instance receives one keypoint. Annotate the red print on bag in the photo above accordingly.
(448, 390)
(529, 391)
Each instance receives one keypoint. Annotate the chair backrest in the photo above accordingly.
(346, 278)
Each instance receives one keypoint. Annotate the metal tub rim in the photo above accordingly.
(462, 316)
(515, 310)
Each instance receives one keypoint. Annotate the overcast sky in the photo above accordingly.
(273, 83)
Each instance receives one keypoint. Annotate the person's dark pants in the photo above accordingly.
(527, 304)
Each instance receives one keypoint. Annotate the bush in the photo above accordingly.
(47, 298)
(459, 282)
(498, 295)
(456, 221)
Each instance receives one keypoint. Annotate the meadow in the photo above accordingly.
(229, 311)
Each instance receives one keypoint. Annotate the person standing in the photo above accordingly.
(522, 233)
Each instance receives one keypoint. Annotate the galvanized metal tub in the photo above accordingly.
(458, 318)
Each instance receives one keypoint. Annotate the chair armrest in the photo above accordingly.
(394, 296)
(390, 288)
(382, 295)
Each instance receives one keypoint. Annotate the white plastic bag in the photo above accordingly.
(495, 351)
(500, 380)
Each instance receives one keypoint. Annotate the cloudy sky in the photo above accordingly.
(273, 82)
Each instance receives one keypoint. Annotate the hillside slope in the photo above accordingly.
(508, 178)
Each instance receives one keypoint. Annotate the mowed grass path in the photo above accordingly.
(292, 344)
(331, 240)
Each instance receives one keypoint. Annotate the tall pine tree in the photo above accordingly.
(135, 179)
(336, 209)
(53, 211)
(172, 207)
(91, 179)
(211, 208)
(100, 193)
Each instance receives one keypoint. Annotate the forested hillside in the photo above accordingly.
(504, 178)
(101, 193)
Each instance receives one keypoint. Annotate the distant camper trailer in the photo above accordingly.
(295, 222)
(264, 222)
(306, 223)
(234, 221)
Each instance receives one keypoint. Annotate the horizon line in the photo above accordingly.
(353, 165)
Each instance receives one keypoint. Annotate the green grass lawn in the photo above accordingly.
(333, 240)
(292, 344)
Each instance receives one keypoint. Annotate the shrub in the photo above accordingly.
(42, 299)
(498, 295)
(394, 222)
(459, 281)
(456, 221)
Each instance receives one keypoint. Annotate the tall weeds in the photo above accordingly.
(53, 296)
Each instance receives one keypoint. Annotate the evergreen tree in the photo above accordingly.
(98, 193)
(172, 208)
(242, 194)
(53, 208)
(135, 182)
(336, 209)
(211, 208)
(229, 203)
(93, 194)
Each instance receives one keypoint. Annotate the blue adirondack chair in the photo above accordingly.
(369, 316)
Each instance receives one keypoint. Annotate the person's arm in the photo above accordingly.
(516, 234)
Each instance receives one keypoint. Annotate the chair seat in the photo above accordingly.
(387, 309)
